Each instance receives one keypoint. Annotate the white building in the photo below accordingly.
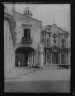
(21, 38)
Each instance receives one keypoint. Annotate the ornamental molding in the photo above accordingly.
(26, 25)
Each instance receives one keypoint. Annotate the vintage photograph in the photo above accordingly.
(37, 48)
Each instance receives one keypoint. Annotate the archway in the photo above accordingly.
(24, 56)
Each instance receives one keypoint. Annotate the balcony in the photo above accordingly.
(27, 40)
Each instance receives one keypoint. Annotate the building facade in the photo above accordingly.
(26, 43)
(22, 45)
(56, 45)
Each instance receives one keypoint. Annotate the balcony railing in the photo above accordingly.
(27, 40)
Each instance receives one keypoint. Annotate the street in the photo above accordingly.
(45, 80)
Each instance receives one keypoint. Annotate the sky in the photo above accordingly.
(49, 13)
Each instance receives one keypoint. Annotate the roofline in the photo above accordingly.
(26, 16)
(57, 27)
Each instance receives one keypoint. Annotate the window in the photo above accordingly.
(54, 39)
(63, 43)
(27, 33)
(62, 58)
(47, 41)
(54, 42)
(47, 56)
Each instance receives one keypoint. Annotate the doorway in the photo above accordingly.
(63, 58)
(24, 56)
(55, 57)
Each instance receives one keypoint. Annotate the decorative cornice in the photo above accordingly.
(26, 25)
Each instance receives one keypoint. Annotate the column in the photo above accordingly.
(41, 55)
(51, 58)
(9, 52)
(44, 57)
(28, 60)
(60, 57)
(31, 59)
(66, 58)
(12, 54)
(34, 59)
(67, 49)
(69, 58)
(41, 59)
(45, 38)
(6, 48)
(49, 41)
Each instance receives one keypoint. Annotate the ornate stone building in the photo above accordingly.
(56, 45)
(21, 38)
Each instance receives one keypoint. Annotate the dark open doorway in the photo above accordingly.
(23, 56)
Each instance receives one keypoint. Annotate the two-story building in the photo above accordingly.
(56, 45)
(21, 38)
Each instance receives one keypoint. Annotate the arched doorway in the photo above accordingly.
(24, 56)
